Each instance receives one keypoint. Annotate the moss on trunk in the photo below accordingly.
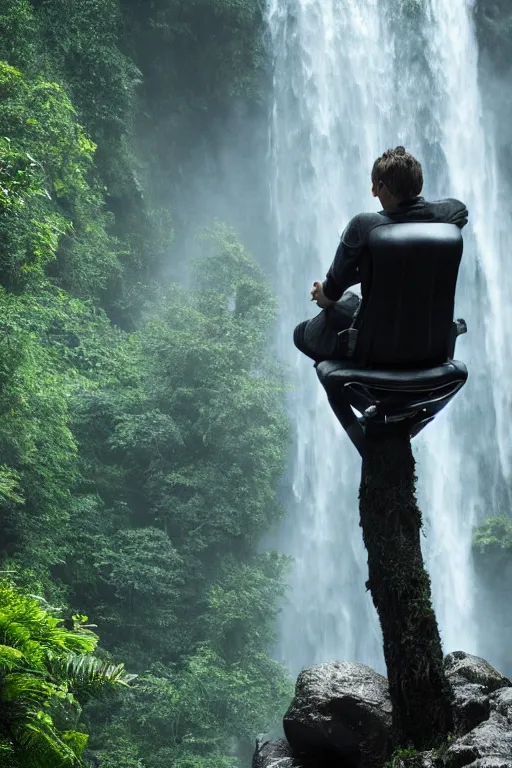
(400, 588)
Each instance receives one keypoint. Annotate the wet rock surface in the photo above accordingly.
(276, 753)
(341, 716)
(341, 708)
(472, 680)
(463, 668)
(483, 715)
(489, 744)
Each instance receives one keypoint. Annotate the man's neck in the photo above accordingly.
(400, 204)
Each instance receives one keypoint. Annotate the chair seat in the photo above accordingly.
(339, 373)
(382, 395)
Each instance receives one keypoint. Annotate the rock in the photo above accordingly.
(489, 745)
(472, 680)
(501, 702)
(471, 707)
(423, 760)
(272, 754)
(340, 717)
(342, 710)
(462, 668)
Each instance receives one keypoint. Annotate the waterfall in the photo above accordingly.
(352, 78)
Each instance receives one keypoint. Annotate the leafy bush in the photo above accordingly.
(47, 673)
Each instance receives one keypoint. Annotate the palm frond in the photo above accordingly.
(10, 658)
(25, 687)
(38, 745)
(87, 677)
(44, 663)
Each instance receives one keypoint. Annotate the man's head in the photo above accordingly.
(396, 176)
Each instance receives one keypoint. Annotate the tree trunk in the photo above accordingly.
(400, 588)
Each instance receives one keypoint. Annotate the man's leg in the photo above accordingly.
(342, 409)
(318, 338)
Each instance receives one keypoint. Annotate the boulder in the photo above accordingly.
(489, 745)
(501, 702)
(471, 706)
(491, 762)
(472, 679)
(462, 668)
(340, 717)
(341, 710)
(275, 753)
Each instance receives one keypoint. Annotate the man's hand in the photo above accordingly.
(317, 294)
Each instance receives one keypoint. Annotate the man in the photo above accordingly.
(397, 180)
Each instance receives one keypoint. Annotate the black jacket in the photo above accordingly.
(348, 267)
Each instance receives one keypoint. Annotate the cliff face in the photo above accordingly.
(493, 20)
(492, 554)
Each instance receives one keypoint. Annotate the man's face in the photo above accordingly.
(379, 189)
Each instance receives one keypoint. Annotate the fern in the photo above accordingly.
(88, 676)
(42, 663)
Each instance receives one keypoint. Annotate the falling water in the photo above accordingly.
(352, 78)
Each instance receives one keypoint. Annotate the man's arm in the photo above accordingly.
(344, 270)
(457, 212)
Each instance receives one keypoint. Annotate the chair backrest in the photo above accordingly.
(407, 314)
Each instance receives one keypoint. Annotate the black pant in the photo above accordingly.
(318, 338)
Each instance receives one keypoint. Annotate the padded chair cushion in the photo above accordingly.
(338, 373)
(407, 310)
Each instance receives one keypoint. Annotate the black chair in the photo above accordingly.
(399, 367)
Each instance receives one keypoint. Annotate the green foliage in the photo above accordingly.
(19, 43)
(151, 507)
(209, 51)
(403, 757)
(493, 535)
(201, 61)
(83, 37)
(142, 427)
(87, 675)
(45, 669)
(186, 460)
(185, 717)
(50, 209)
(9, 485)
(35, 440)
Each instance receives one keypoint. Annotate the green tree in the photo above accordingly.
(59, 219)
(139, 468)
(181, 468)
(492, 554)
